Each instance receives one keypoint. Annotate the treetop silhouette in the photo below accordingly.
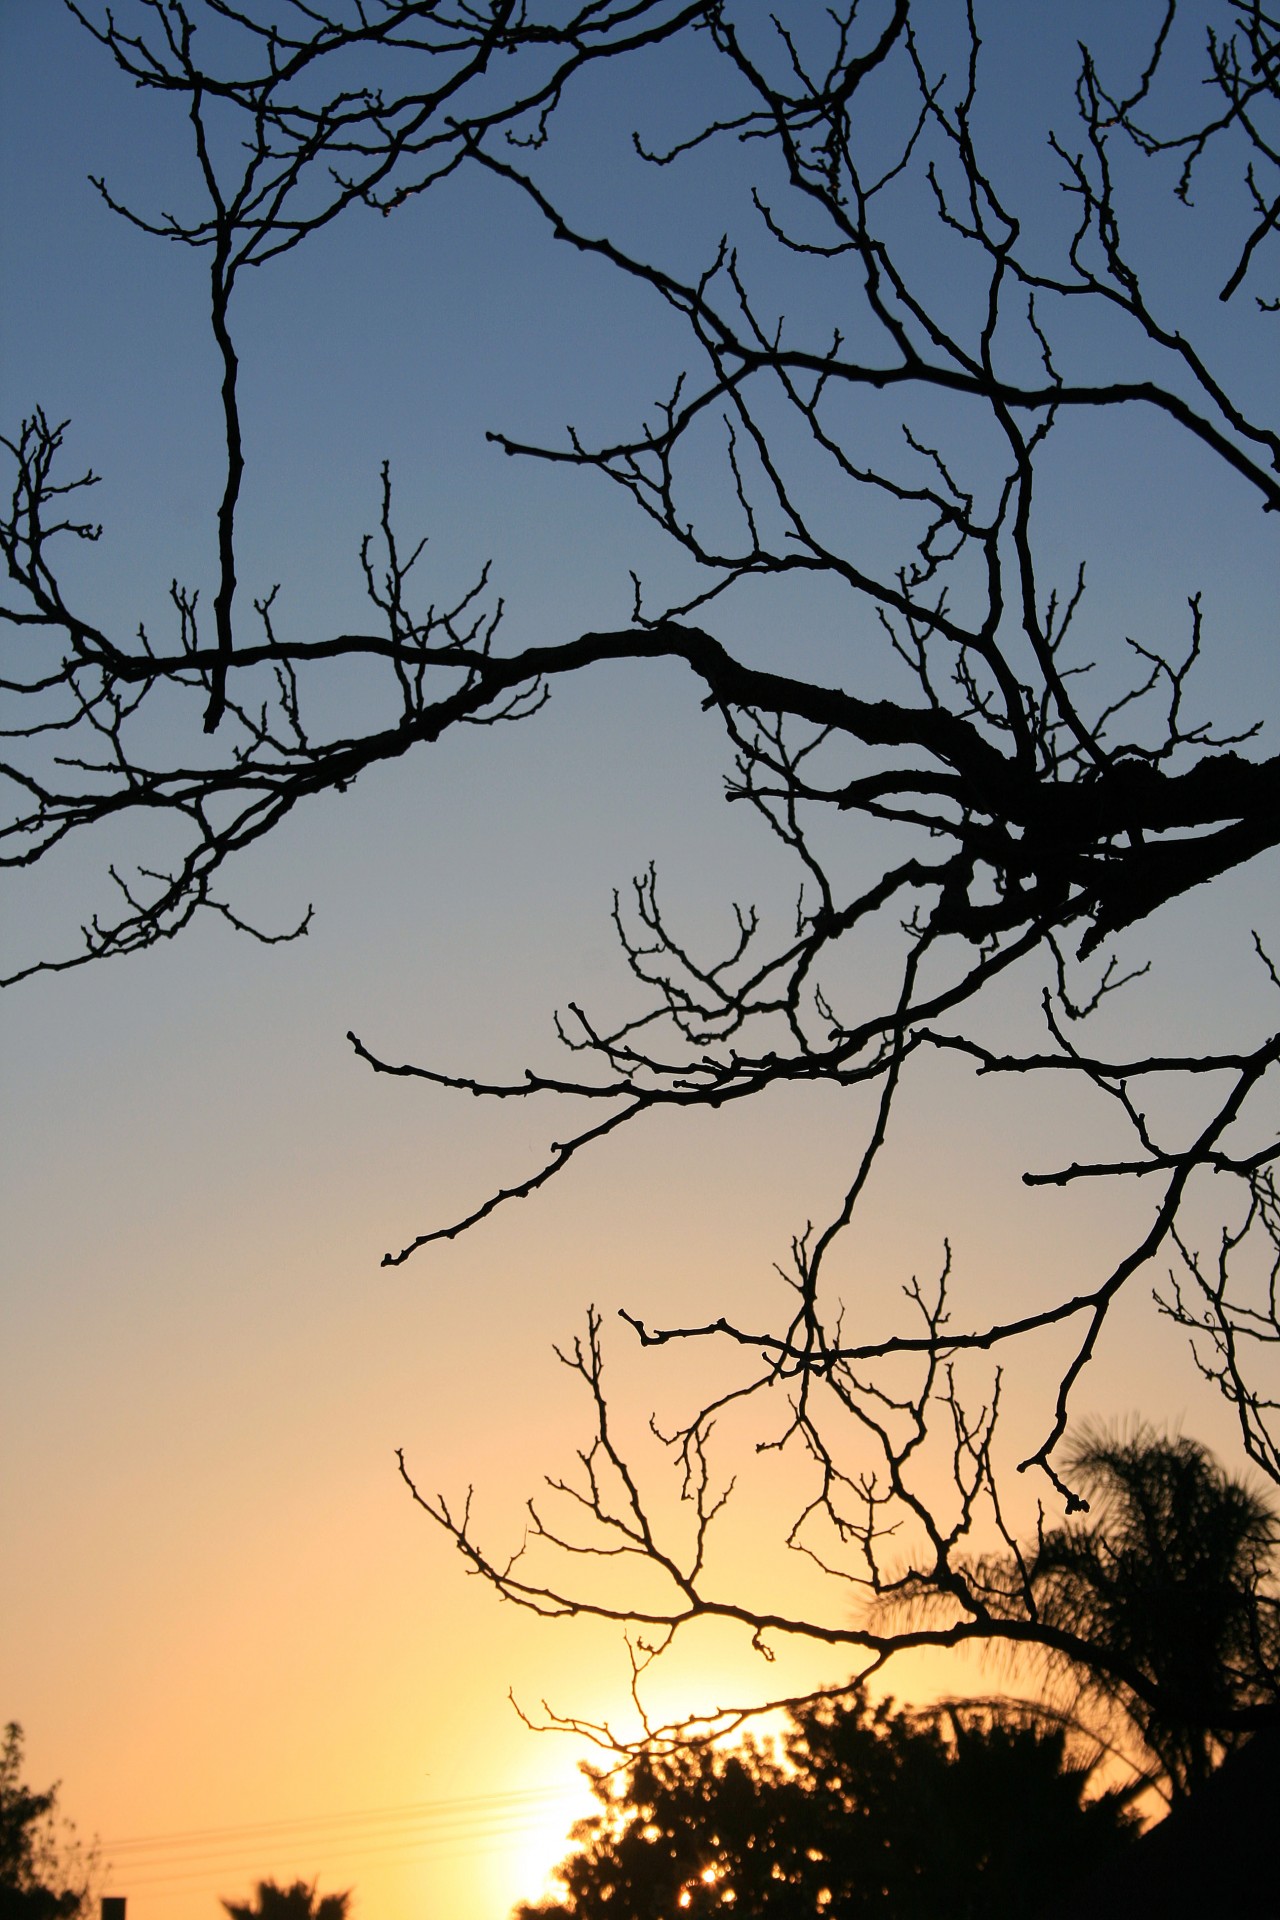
(964, 1810)
(297, 1901)
(45, 1874)
(1174, 1571)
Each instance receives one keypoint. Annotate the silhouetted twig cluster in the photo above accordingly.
(1022, 808)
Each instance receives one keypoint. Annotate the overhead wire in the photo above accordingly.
(409, 1810)
(155, 1862)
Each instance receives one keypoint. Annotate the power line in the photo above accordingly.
(156, 1862)
(412, 1810)
(490, 1837)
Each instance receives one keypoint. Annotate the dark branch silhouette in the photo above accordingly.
(970, 788)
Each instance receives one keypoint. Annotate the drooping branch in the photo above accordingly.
(618, 1538)
(977, 783)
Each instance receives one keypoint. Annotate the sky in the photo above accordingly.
(223, 1625)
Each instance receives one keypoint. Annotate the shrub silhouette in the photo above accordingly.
(864, 1810)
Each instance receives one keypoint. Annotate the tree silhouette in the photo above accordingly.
(295, 1902)
(966, 1811)
(900, 379)
(1173, 1572)
(43, 1876)
(1166, 1596)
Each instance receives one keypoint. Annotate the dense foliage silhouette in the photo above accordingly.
(863, 1810)
(44, 1874)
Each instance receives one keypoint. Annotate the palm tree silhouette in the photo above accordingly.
(296, 1902)
(1169, 1576)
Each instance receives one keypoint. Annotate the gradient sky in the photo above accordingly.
(220, 1610)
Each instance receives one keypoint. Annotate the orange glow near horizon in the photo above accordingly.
(263, 1630)
(479, 1853)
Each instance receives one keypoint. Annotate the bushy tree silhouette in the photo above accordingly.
(44, 1873)
(960, 1810)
